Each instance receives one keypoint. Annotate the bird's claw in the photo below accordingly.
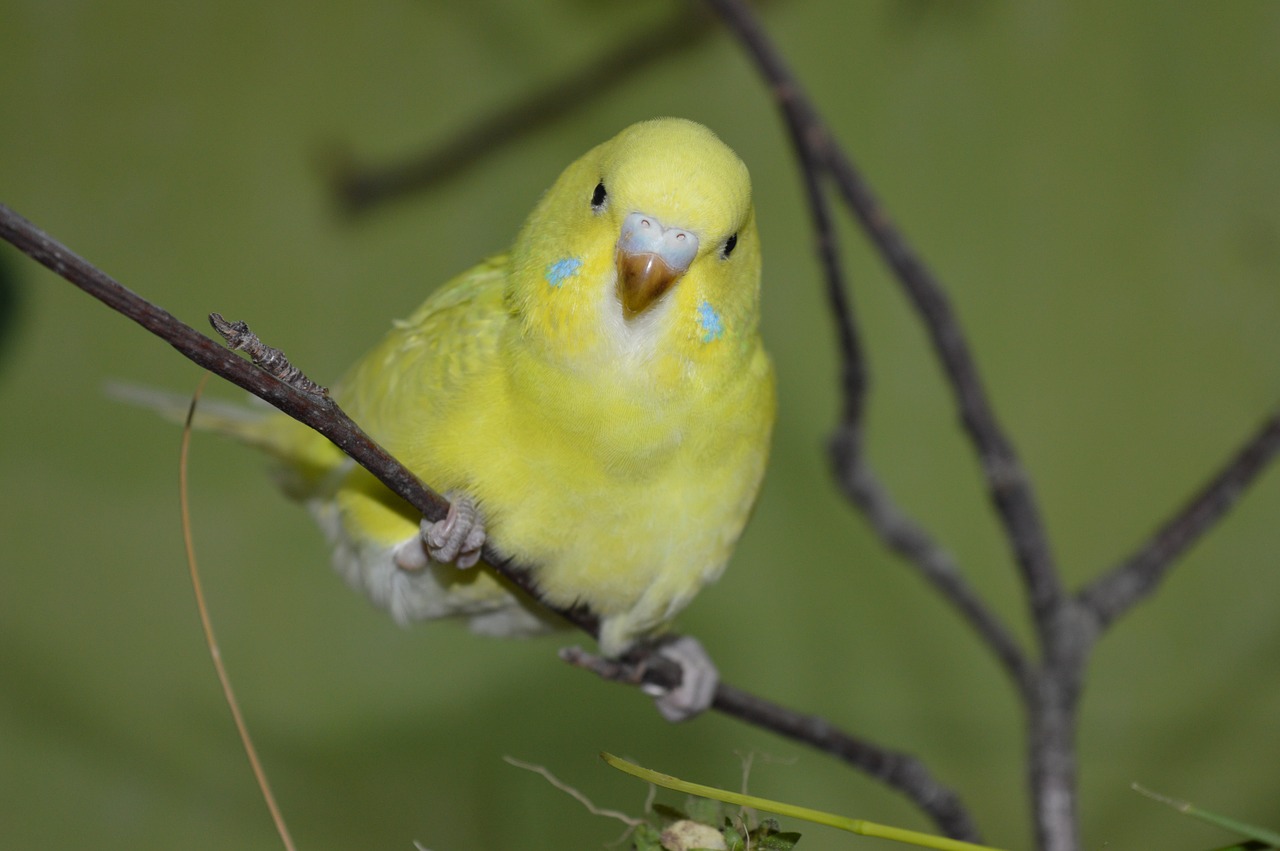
(698, 681)
(457, 539)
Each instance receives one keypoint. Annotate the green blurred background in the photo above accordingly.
(1096, 183)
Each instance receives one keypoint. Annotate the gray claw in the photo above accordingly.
(457, 539)
(698, 681)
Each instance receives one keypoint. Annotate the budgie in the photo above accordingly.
(596, 401)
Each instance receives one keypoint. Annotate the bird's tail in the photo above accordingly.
(242, 422)
(305, 458)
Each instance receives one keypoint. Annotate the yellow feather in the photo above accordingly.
(621, 456)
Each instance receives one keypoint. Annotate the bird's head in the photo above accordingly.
(647, 244)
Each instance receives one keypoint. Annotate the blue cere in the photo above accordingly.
(558, 271)
(712, 325)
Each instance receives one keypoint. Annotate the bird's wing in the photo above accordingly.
(401, 388)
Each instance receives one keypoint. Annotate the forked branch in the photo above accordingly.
(1007, 481)
(1067, 626)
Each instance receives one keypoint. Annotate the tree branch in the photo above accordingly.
(279, 383)
(853, 471)
(1067, 626)
(308, 404)
(907, 538)
(1049, 692)
(903, 772)
(1137, 577)
(899, 771)
(1007, 481)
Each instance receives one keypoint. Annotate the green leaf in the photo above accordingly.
(769, 836)
(777, 841)
(647, 838)
(703, 810)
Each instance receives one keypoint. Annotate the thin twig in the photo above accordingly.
(906, 537)
(848, 461)
(1137, 577)
(1049, 693)
(902, 772)
(322, 414)
(853, 361)
(1007, 481)
(317, 411)
(1067, 626)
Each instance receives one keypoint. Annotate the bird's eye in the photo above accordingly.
(729, 244)
(598, 197)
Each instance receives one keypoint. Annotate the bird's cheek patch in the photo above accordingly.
(563, 269)
(710, 322)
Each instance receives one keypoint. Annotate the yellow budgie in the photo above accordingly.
(596, 402)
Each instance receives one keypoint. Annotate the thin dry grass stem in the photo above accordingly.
(206, 623)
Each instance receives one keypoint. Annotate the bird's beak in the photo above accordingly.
(651, 258)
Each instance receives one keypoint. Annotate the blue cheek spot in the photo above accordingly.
(712, 325)
(563, 269)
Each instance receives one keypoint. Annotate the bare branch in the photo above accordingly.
(849, 463)
(907, 538)
(1137, 577)
(317, 411)
(1007, 481)
(853, 362)
(323, 414)
(900, 771)
(1067, 626)
(859, 482)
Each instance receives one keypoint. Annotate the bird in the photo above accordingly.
(596, 402)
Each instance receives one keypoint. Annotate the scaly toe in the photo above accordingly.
(459, 537)
(698, 681)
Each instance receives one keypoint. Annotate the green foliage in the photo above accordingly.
(766, 835)
(703, 810)
(647, 838)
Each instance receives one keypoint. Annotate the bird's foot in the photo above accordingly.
(457, 539)
(698, 681)
(698, 675)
